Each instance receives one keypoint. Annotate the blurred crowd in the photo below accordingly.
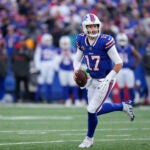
(25, 26)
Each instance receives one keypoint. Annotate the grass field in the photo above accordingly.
(54, 127)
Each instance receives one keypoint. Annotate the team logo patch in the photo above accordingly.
(82, 48)
(92, 17)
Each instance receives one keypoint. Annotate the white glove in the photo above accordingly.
(105, 83)
(87, 84)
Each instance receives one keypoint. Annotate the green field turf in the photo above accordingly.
(54, 127)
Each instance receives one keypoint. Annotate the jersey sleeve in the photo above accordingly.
(109, 42)
(78, 41)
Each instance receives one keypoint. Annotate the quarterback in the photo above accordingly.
(103, 63)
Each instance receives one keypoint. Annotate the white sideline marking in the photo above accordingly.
(73, 130)
(63, 141)
(42, 105)
(118, 135)
(69, 134)
(30, 132)
(114, 135)
(62, 118)
(36, 118)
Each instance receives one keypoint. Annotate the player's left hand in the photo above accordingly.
(104, 84)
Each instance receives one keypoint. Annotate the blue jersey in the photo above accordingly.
(47, 53)
(66, 62)
(126, 56)
(10, 42)
(97, 60)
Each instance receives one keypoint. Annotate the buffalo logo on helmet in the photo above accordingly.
(92, 17)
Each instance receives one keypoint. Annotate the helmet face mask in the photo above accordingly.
(92, 30)
(91, 25)
(65, 42)
(122, 39)
(47, 39)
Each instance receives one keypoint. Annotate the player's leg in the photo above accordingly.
(148, 84)
(2, 87)
(63, 78)
(50, 72)
(40, 81)
(26, 88)
(123, 106)
(88, 141)
(75, 92)
(130, 82)
(95, 99)
(74, 88)
(84, 97)
(111, 107)
(121, 93)
(121, 83)
(18, 89)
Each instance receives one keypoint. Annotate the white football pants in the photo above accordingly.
(47, 72)
(126, 77)
(96, 95)
(66, 78)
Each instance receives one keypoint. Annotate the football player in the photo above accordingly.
(65, 71)
(44, 59)
(100, 53)
(131, 58)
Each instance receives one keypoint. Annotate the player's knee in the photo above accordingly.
(91, 109)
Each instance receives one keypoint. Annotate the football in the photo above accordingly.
(81, 78)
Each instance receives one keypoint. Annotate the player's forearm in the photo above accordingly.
(113, 54)
(111, 75)
(117, 67)
(77, 60)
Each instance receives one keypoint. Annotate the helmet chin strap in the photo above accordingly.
(93, 37)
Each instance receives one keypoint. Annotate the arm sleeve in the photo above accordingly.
(37, 55)
(113, 54)
(77, 59)
(109, 42)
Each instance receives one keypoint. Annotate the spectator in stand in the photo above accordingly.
(11, 38)
(43, 29)
(32, 28)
